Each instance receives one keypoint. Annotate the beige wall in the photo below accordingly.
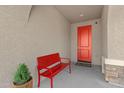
(113, 34)
(21, 41)
(116, 32)
(96, 40)
(104, 21)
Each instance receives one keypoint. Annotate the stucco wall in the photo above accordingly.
(116, 32)
(96, 40)
(21, 41)
(113, 35)
(104, 21)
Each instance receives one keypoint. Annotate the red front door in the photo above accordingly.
(84, 43)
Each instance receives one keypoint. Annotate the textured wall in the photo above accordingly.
(114, 21)
(21, 41)
(104, 22)
(104, 31)
(116, 32)
(96, 40)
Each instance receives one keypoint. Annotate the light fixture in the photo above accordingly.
(81, 15)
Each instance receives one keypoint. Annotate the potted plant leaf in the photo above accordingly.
(22, 78)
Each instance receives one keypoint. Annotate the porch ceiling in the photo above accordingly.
(78, 13)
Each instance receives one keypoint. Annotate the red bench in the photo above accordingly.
(51, 65)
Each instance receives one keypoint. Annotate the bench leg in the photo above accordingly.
(38, 81)
(70, 68)
(51, 82)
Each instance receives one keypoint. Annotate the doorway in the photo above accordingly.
(84, 51)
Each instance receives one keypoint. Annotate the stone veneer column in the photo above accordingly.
(114, 74)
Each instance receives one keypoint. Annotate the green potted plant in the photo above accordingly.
(22, 78)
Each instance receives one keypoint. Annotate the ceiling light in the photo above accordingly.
(81, 15)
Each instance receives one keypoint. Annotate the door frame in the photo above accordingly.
(91, 41)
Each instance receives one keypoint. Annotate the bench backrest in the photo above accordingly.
(47, 60)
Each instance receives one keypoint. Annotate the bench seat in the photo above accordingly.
(55, 70)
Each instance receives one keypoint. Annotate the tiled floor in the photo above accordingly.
(81, 77)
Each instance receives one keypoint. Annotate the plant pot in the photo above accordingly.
(28, 84)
